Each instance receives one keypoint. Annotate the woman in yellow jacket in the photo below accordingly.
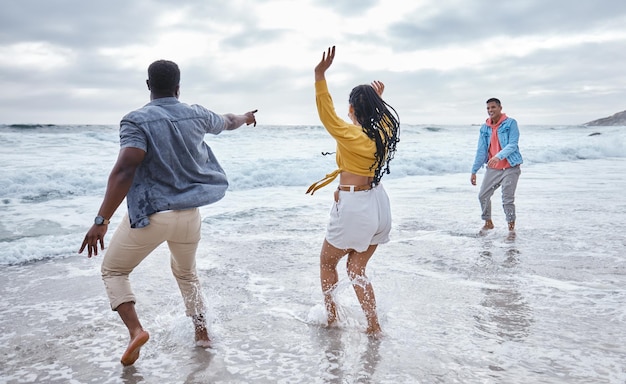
(360, 218)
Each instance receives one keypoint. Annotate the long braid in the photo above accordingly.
(380, 122)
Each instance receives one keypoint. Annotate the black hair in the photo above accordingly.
(163, 76)
(493, 100)
(380, 122)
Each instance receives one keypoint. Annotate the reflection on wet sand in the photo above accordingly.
(346, 357)
(507, 314)
(130, 375)
(201, 362)
(369, 361)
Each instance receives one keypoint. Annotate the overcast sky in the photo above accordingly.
(85, 62)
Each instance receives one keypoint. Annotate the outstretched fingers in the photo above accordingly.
(327, 59)
(93, 237)
(250, 118)
(330, 55)
(379, 87)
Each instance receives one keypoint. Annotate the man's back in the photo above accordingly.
(179, 170)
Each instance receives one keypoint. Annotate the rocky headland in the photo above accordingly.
(617, 119)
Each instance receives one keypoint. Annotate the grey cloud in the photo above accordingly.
(476, 20)
(252, 36)
(348, 7)
(73, 23)
(572, 84)
(567, 85)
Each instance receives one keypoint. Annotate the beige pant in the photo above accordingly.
(129, 246)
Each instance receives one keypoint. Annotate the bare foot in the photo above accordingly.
(202, 338)
(132, 351)
(488, 226)
(202, 333)
(332, 323)
(374, 332)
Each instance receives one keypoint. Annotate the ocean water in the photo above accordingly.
(548, 307)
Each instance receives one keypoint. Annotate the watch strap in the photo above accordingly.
(99, 220)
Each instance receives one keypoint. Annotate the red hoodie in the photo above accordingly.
(494, 144)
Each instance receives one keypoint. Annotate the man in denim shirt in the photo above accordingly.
(498, 148)
(165, 170)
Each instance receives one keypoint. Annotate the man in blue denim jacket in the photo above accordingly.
(165, 170)
(498, 148)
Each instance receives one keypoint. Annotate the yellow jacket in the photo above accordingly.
(355, 150)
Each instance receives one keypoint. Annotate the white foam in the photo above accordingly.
(465, 308)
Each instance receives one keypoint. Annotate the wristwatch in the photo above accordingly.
(99, 220)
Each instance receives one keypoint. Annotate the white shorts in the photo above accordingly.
(360, 219)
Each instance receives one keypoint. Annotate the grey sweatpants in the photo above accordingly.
(494, 178)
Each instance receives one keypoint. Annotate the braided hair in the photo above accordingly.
(380, 122)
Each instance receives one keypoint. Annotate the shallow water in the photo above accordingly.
(548, 307)
(455, 307)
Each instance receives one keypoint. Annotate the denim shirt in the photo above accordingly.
(508, 136)
(179, 170)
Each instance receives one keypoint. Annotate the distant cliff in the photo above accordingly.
(617, 119)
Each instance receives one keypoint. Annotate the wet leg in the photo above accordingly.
(329, 258)
(357, 262)
(183, 244)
